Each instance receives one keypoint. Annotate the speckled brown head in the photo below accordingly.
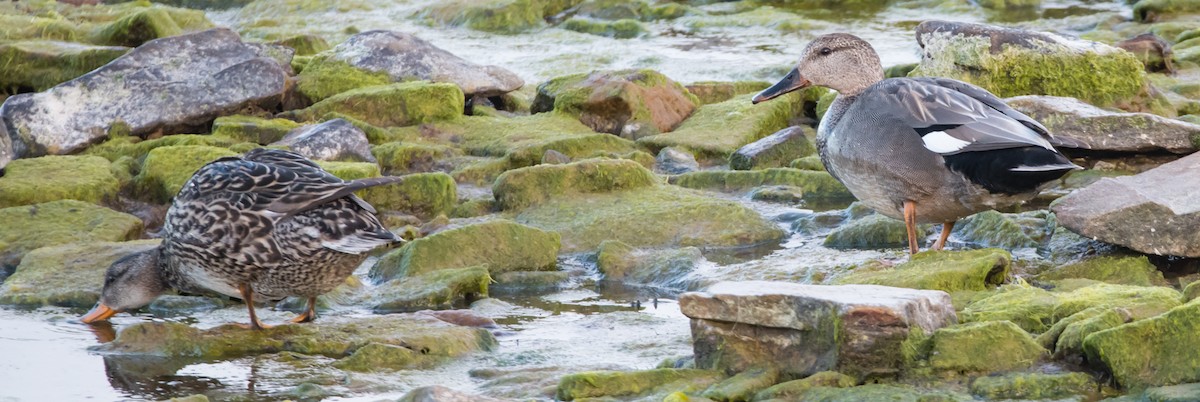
(841, 62)
(131, 282)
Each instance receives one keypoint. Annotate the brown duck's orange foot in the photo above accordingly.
(309, 313)
(248, 297)
(947, 227)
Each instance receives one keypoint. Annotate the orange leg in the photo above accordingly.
(248, 297)
(309, 314)
(946, 228)
(910, 223)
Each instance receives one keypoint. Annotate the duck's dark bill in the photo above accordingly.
(791, 82)
(98, 313)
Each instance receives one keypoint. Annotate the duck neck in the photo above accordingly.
(854, 84)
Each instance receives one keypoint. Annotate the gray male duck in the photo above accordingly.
(925, 150)
(266, 225)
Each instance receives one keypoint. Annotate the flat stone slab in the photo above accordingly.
(1076, 124)
(1154, 212)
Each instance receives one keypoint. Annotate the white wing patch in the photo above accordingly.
(942, 143)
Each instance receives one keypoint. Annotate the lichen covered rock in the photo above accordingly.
(984, 347)
(526, 187)
(501, 245)
(948, 271)
(424, 195)
(60, 222)
(593, 384)
(1151, 352)
(816, 185)
(629, 103)
(166, 169)
(1121, 270)
(1036, 310)
(794, 389)
(51, 178)
(388, 105)
(437, 289)
(717, 130)
(69, 275)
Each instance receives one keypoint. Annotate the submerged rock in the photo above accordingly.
(1156, 351)
(949, 271)
(804, 329)
(629, 103)
(1154, 212)
(168, 84)
(775, 150)
(437, 289)
(501, 245)
(69, 275)
(1076, 124)
(666, 268)
(382, 57)
(333, 140)
(60, 222)
(984, 347)
(649, 383)
(51, 178)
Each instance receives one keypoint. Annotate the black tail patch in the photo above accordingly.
(993, 169)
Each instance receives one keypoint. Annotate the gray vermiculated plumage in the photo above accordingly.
(271, 219)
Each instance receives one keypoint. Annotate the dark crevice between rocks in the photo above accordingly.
(1174, 268)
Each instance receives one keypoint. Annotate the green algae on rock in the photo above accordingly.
(425, 195)
(304, 45)
(667, 268)
(619, 29)
(1037, 310)
(334, 337)
(1007, 231)
(323, 77)
(119, 146)
(51, 178)
(166, 169)
(495, 16)
(41, 64)
(406, 157)
(984, 347)
(1119, 270)
(252, 129)
(1155, 351)
(400, 104)
(376, 356)
(716, 130)
(871, 231)
(948, 271)
(439, 289)
(502, 245)
(811, 162)
(791, 390)
(742, 386)
(1154, 10)
(882, 392)
(1070, 341)
(594, 384)
(629, 103)
(140, 24)
(1035, 386)
(716, 91)
(816, 185)
(70, 275)
(526, 187)
(60, 222)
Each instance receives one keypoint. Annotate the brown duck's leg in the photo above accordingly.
(309, 314)
(910, 223)
(248, 297)
(946, 228)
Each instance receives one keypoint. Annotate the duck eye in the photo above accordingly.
(826, 51)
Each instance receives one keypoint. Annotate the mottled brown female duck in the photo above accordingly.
(925, 150)
(267, 225)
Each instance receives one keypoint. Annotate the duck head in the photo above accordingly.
(131, 282)
(841, 62)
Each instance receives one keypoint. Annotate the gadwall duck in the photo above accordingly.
(267, 225)
(925, 150)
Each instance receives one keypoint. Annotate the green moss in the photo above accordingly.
(324, 77)
(1191, 292)
(717, 130)
(630, 103)
(679, 217)
(523, 140)
(166, 169)
(794, 389)
(1029, 307)
(481, 172)
(881, 392)
(1155, 351)
(1035, 386)
(530, 281)
(779, 194)
(350, 170)
(591, 384)
(252, 129)
(1121, 270)
(495, 16)
(620, 29)
(948, 271)
(666, 268)
(1049, 338)
(70, 275)
(20, 27)
(435, 341)
(715, 92)
(118, 147)
(900, 70)
(775, 155)
(305, 45)
(42, 64)
(50, 178)
(743, 386)
(984, 347)
(139, 27)
(1103, 79)
(1139, 301)
(392, 105)
(378, 357)
(401, 158)
(60, 222)
(1007, 231)
(1070, 341)
(1155, 10)
(424, 195)
(816, 185)
(525, 187)
(1036, 310)
(473, 208)
(439, 289)
(501, 245)
(811, 162)
(872, 231)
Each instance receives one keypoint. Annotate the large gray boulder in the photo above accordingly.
(333, 140)
(1154, 212)
(172, 84)
(805, 329)
(1076, 124)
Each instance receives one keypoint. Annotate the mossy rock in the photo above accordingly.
(1173, 393)
(526, 187)
(1139, 301)
(304, 45)
(1009, 4)
(1155, 10)
(948, 271)
(984, 347)
(1120, 270)
(495, 16)
(401, 104)
(715, 131)
(1037, 310)
(404, 157)
(629, 103)
(334, 337)
(816, 185)
(424, 195)
(41, 64)
(1070, 341)
(1007, 231)
(142, 25)
(794, 389)
(28, 27)
(718, 91)
(61, 222)
(438, 289)
(502, 245)
(743, 386)
(759, 17)
(166, 169)
(779, 194)
(252, 129)
(473, 208)
(882, 392)
(51, 178)
(872, 231)
(667, 268)
(1156, 351)
(70, 275)
(520, 282)
(121, 146)
(657, 216)
(811, 162)
(1191, 292)
(323, 77)
(379, 357)
(594, 384)
(1035, 386)
(620, 29)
